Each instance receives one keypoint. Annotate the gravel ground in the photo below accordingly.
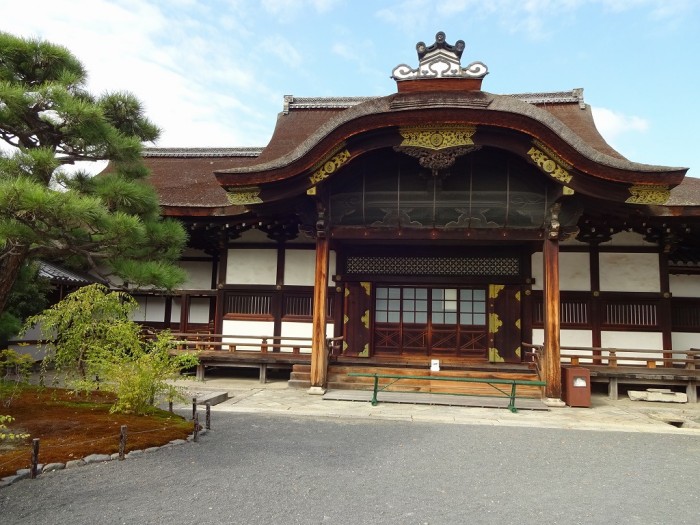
(280, 469)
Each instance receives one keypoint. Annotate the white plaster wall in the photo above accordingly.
(566, 337)
(685, 340)
(300, 267)
(298, 329)
(574, 271)
(628, 339)
(537, 271)
(629, 272)
(685, 285)
(252, 328)
(175, 310)
(150, 309)
(252, 266)
(199, 274)
(199, 310)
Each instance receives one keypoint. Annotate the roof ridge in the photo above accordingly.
(553, 97)
(292, 102)
(203, 152)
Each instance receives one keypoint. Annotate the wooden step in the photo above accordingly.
(338, 378)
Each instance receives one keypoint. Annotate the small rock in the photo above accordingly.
(655, 395)
(8, 480)
(114, 456)
(134, 453)
(23, 473)
(178, 442)
(53, 466)
(151, 449)
(75, 463)
(97, 458)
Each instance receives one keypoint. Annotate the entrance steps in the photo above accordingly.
(338, 379)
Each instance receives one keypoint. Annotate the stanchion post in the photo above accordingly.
(195, 437)
(122, 442)
(194, 407)
(35, 458)
(207, 423)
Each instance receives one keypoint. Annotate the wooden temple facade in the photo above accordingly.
(438, 222)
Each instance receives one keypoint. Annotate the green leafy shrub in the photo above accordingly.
(95, 344)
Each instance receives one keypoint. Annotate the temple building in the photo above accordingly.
(438, 222)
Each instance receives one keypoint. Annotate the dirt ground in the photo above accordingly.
(74, 426)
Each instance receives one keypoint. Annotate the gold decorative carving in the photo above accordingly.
(241, 196)
(346, 319)
(365, 351)
(494, 357)
(347, 292)
(550, 163)
(648, 194)
(330, 164)
(437, 137)
(518, 351)
(495, 323)
(495, 289)
(517, 296)
(517, 324)
(367, 287)
(365, 319)
(345, 346)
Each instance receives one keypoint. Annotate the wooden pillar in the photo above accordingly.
(319, 354)
(551, 366)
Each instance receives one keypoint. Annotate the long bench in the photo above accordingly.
(513, 383)
(634, 366)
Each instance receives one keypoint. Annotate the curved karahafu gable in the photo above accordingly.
(510, 122)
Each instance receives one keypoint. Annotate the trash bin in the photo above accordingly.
(576, 386)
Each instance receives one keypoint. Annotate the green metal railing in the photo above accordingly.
(494, 383)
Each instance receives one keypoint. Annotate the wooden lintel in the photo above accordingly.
(484, 234)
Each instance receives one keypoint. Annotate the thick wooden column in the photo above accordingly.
(319, 353)
(551, 366)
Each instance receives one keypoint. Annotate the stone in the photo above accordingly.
(75, 463)
(8, 480)
(114, 456)
(178, 442)
(51, 467)
(152, 449)
(655, 395)
(134, 453)
(97, 458)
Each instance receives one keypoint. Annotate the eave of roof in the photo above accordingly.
(521, 105)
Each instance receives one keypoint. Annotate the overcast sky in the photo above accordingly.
(213, 73)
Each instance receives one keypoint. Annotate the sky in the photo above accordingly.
(214, 73)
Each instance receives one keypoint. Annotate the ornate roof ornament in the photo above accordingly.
(440, 60)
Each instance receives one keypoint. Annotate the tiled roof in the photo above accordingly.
(61, 275)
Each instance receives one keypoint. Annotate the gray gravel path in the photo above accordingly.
(281, 469)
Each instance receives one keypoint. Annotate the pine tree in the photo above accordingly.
(109, 224)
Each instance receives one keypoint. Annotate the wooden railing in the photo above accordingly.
(631, 366)
(263, 344)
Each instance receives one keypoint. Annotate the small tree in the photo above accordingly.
(108, 224)
(95, 343)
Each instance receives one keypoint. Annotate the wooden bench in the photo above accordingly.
(513, 383)
(248, 351)
(634, 366)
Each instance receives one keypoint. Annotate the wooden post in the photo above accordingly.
(194, 407)
(207, 421)
(34, 466)
(319, 354)
(122, 442)
(195, 435)
(552, 362)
